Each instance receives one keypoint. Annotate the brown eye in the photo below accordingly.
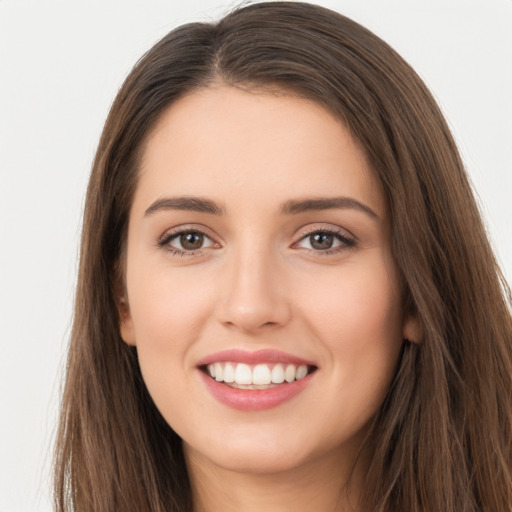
(326, 242)
(321, 241)
(191, 241)
(188, 242)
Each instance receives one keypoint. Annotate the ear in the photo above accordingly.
(125, 321)
(123, 307)
(412, 329)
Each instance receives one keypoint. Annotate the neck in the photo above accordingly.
(326, 485)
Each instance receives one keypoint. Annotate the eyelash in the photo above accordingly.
(167, 238)
(341, 236)
(346, 241)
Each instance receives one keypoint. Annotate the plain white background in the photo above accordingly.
(61, 63)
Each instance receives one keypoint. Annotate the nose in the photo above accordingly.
(254, 296)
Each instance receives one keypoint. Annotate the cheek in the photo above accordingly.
(361, 298)
(168, 307)
(169, 312)
(168, 316)
(355, 314)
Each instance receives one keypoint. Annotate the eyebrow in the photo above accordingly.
(292, 207)
(326, 203)
(194, 204)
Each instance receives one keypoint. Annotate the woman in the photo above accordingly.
(286, 297)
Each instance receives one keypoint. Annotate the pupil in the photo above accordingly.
(191, 241)
(321, 241)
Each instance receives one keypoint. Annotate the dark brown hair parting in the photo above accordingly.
(442, 440)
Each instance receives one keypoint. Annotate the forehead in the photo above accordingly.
(265, 145)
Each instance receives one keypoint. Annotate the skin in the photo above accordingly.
(258, 283)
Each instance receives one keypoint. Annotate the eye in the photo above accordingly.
(186, 242)
(325, 241)
(190, 241)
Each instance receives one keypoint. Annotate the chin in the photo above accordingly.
(256, 461)
(256, 451)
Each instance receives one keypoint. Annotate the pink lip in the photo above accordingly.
(254, 399)
(253, 357)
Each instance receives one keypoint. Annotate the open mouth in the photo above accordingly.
(256, 377)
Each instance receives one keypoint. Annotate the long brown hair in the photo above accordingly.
(442, 440)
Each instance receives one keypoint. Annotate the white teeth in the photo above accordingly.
(261, 374)
(278, 374)
(219, 372)
(302, 371)
(289, 373)
(240, 374)
(243, 374)
(229, 373)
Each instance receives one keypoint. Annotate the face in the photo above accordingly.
(260, 289)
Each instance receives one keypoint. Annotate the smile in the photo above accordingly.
(260, 376)
(253, 381)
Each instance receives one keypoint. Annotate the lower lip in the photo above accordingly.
(254, 399)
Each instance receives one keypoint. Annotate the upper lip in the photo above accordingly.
(253, 357)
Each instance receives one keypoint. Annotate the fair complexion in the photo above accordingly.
(258, 225)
